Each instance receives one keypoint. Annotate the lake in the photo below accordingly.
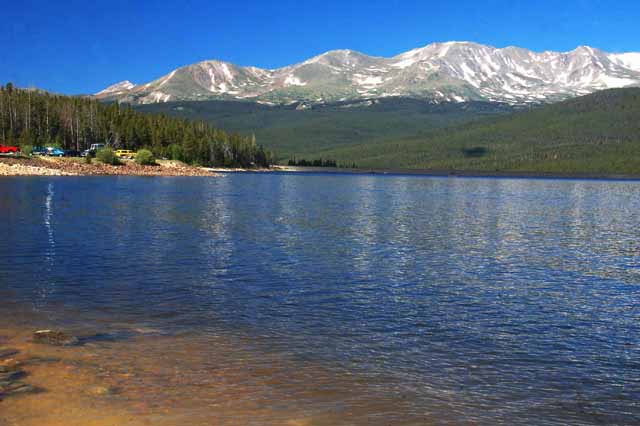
(318, 299)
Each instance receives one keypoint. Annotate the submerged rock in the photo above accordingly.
(10, 383)
(9, 365)
(8, 353)
(16, 388)
(55, 338)
(102, 390)
(11, 375)
(37, 360)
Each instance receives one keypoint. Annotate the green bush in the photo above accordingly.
(174, 152)
(26, 149)
(87, 159)
(145, 157)
(107, 156)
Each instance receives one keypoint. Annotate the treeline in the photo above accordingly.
(312, 163)
(29, 117)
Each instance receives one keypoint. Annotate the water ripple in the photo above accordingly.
(490, 301)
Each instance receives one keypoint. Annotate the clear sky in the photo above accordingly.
(83, 46)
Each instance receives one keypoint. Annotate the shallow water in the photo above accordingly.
(326, 299)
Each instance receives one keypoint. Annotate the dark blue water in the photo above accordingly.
(505, 301)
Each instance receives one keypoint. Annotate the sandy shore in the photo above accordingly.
(49, 166)
(134, 382)
(275, 168)
(142, 377)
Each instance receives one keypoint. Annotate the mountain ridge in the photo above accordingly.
(438, 72)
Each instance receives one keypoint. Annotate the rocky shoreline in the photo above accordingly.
(47, 166)
(39, 371)
(12, 375)
(52, 377)
(13, 363)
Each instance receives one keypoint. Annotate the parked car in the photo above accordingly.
(8, 149)
(54, 152)
(72, 153)
(39, 150)
(92, 150)
(125, 153)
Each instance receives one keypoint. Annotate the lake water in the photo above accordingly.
(334, 299)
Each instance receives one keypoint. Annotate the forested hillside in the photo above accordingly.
(598, 133)
(33, 118)
(307, 132)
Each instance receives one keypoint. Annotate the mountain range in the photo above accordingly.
(438, 73)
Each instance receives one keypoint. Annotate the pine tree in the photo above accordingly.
(76, 123)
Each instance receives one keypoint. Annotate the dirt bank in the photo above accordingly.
(47, 166)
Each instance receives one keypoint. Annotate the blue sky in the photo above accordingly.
(83, 46)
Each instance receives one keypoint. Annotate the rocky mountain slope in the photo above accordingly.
(439, 72)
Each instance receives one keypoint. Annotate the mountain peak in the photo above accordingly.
(338, 55)
(587, 50)
(122, 86)
(454, 71)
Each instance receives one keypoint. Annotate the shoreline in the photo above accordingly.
(439, 173)
(51, 166)
(120, 374)
(432, 173)
(71, 166)
(102, 381)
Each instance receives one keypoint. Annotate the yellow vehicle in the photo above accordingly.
(125, 153)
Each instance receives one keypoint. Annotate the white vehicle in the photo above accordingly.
(92, 150)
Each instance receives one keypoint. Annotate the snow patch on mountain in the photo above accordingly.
(227, 72)
(404, 63)
(156, 97)
(368, 80)
(627, 60)
(122, 86)
(166, 79)
(615, 83)
(212, 76)
(292, 80)
(439, 72)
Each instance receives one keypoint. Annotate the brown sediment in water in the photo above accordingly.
(151, 379)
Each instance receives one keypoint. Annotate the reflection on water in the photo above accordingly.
(50, 252)
(337, 299)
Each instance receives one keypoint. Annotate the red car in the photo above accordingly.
(7, 149)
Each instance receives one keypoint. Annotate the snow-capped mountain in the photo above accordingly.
(122, 87)
(440, 72)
